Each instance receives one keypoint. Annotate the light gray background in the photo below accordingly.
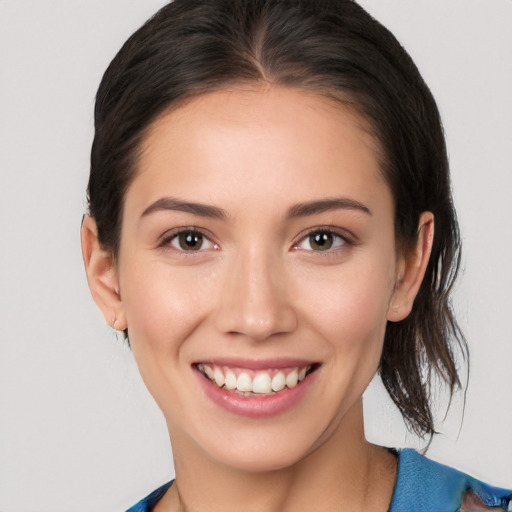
(78, 431)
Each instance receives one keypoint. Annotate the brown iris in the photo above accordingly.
(190, 240)
(321, 240)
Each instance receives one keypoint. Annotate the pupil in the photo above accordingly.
(190, 241)
(321, 241)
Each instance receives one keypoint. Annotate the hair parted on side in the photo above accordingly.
(333, 48)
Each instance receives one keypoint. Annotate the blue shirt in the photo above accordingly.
(422, 485)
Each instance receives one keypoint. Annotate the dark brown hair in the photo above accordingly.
(334, 48)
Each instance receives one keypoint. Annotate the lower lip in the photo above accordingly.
(263, 406)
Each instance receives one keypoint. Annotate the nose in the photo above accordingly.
(255, 300)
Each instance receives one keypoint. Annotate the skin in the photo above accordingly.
(258, 288)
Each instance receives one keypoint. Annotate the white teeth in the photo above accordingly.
(262, 384)
(218, 376)
(292, 379)
(278, 382)
(244, 382)
(230, 381)
(208, 370)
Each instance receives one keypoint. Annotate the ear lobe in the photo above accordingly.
(411, 270)
(102, 276)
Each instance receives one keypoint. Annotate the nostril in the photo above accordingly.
(240, 320)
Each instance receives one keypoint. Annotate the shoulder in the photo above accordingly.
(146, 504)
(424, 485)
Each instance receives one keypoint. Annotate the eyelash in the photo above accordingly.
(168, 239)
(341, 240)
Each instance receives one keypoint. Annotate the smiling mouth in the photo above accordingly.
(255, 382)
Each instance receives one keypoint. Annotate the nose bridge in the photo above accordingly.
(255, 300)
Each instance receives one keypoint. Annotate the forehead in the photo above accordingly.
(260, 143)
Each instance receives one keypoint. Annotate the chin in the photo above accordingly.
(262, 460)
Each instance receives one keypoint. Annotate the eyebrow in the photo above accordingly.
(173, 204)
(326, 205)
(298, 210)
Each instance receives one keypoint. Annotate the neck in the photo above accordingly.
(337, 475)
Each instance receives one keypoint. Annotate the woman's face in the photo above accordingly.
(257, 244)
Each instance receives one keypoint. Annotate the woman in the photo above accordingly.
(270, 225)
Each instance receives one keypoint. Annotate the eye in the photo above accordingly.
(321, 240)
(189, 240)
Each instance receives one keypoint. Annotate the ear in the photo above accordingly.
(102, 276)
(411, 270)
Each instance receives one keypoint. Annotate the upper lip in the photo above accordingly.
(257, 364)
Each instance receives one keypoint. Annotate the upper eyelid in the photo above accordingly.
(342, 233)
(346, 235)
(342, 240)
(166, 237)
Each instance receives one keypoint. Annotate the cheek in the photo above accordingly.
(350, 307)
(163, 305)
